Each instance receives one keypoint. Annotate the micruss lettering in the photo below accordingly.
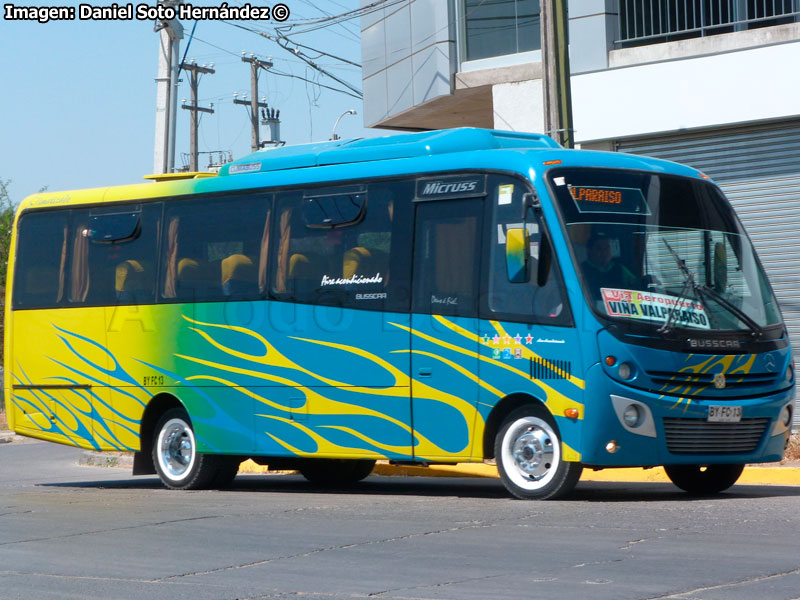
(449, 188)
(43, 14)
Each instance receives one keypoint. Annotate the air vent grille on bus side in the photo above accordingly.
(541, 368)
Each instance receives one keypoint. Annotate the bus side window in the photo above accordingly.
(216, 249)
(361, 262)
(542, 298)
(41, 264)
(120, 266)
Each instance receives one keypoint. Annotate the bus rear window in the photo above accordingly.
(40, 267)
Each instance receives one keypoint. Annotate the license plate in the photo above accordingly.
(724, 414)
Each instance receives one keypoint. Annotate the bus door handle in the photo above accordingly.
(425, 371)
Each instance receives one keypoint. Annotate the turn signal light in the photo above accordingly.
(611, 360)
(571, 413)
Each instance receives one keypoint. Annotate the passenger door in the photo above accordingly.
(444, 340)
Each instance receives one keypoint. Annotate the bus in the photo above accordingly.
(441, 297)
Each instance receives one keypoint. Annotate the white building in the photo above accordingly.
(711, 83)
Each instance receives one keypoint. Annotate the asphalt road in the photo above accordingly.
(68, 531)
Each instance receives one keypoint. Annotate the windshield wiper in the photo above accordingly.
(700, 291)
(757, 330)
(689, 281)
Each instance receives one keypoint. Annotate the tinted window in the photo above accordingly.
(113, 255)
(41, 267)
(329, 210)
(361, 264)
(447, 257)
(216, 249)
(528, 301)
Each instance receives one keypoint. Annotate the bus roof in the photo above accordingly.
(393, 155)
(409, 145)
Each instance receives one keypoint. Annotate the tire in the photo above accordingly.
(175, 455)
(529, 459)
(335, 472)
(699, 480)
(227, 468)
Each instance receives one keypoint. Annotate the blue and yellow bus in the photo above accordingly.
(440, 297)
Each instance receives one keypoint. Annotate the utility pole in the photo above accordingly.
(254, 104)
(195, 70)
(171, 32)
(555, 63)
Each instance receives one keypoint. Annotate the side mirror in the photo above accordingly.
(517, 255)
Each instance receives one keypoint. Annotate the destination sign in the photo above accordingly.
(600, 199)
(635, 304)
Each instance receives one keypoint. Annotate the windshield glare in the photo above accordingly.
(662, 252)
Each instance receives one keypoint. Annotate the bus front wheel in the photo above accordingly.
(700, 480)
(529, 458)
(175, 455)
(329, 471)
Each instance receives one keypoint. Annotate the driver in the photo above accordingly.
(601, 269)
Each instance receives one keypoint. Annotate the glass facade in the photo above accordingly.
(500, 27)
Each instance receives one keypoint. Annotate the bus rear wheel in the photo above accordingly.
(529, 459)
(700, 480)
(175, 456)
(332, 471)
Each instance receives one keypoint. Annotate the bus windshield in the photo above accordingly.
(659, 253)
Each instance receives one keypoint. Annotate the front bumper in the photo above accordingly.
(675, 430)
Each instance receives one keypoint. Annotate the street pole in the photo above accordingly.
(195, 70)
(555, 63)
(254, 104)
(170, 34)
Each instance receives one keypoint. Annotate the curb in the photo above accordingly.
(106, 459)
(751, 476)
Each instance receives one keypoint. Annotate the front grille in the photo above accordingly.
(696, 436)
(669, 379)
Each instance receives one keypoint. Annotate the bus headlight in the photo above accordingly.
(786, 415)
(784, 421)
(625, 370)
(632, 416)
(789, 373)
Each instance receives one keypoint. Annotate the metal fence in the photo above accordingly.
(653, 21)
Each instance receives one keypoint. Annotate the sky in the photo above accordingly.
(78, 98)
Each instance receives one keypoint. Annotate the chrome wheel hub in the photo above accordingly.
(176, 451)
(530, 453)
(533, 452)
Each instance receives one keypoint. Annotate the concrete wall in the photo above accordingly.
(412, 80)
(734, 87)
